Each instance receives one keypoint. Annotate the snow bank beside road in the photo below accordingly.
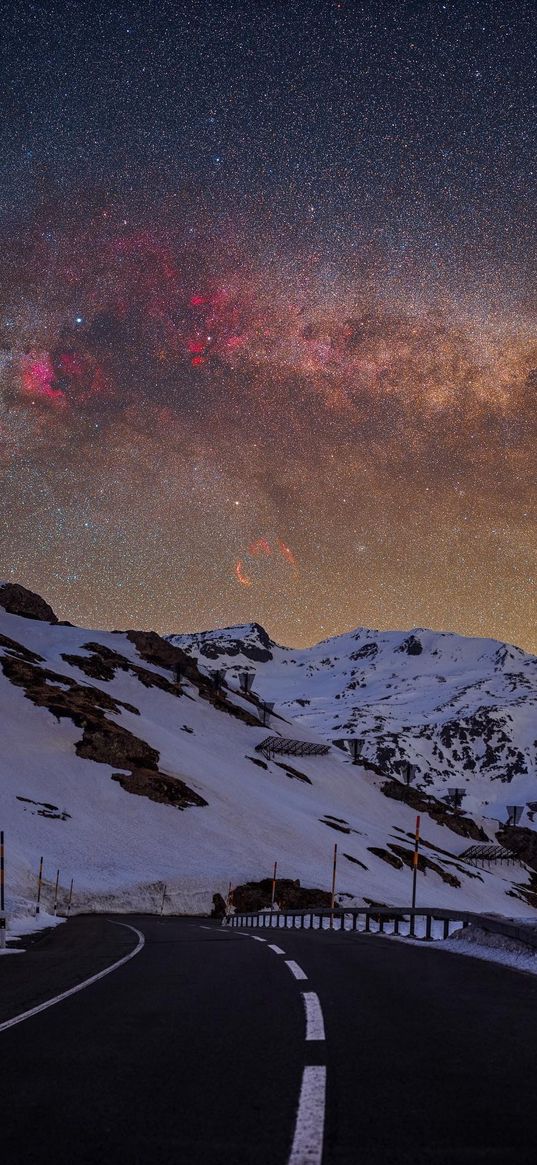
(496, 948)
(22, 925)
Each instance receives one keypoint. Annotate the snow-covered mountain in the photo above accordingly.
(463, 710)
(127, 769)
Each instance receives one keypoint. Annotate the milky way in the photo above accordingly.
(214, 410)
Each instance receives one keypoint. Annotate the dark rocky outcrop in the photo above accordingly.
(295, 774)
(412, 645)
(424, 864)
(159, 787)
(18, 651)
(455, 819)
(157, 651)
(386, 856)
(103, 740)
(521, 841)
(356, 861)
(17, 600)
(290, 895)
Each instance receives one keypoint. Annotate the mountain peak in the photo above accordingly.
(244, 643)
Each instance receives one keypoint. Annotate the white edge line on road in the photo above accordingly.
(80, 986)
(314, 1016)
(277, 950)
(307, 1146)
(295, 969)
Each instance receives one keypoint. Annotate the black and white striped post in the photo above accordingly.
(56, 892)
(70, 899)
(163, 898)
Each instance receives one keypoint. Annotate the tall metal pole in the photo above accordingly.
(56, 892)
(2, 899)
(39, 884)
(273, 895)
(333, 894)
(415, 862)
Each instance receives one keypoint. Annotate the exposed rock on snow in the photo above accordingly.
(290, 895)
(102, 740)
(455, 820)
(19, 601)
(463, 710)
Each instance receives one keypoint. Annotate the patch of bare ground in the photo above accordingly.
(295, 774)
(454, 819)
(102, 739)
(424, 864)
(356, 861)
(290, 895)
(521, 841)
(158, 787)
(151, 647)
(386, 856)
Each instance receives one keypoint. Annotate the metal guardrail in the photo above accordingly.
(381, 916)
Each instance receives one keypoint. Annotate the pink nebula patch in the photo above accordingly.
(37, 376)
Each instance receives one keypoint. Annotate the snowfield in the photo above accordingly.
(210, 809)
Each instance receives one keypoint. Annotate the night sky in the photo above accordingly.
(268, 314)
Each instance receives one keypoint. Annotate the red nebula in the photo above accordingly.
(260, 546)
(243, 578)
(234, 342)
(286, 553)
(37, 375)
(69, 363)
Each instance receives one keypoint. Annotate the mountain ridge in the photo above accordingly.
(460, 708)
(131, 770)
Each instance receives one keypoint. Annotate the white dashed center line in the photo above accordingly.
(295, 969)
(277, 950)
(314, 1016)
(258, 940)
(308, 1139)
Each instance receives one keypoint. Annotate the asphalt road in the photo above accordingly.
(195, 1051)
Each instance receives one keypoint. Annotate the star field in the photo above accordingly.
(268, 346)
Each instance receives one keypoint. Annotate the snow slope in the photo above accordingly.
(463, 710)
(240, 812)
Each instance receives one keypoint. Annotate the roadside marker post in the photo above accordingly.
(70, 899)
(163, 897)
(39, 884)
(333, 894)
(415, 857)
(273, 895)
(2, 898)
(56, 893)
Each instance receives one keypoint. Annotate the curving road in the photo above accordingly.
(209, 1047)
